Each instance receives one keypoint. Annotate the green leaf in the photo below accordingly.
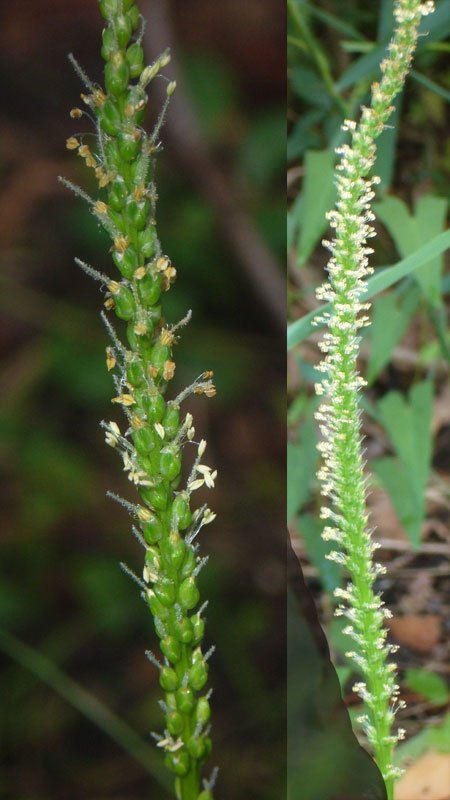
(334, 22)
(429, 84)
(318, 195)
(408, 426)
(411, 231)
(263, 153)
(86, 703)
(428, 684)
(384, 164)
(439, 737)
(434, 27)
(310, 530)
(301, 462)
(435, 738)
(309, 86)
(385, 337)
(411, 750)
(302, 136)
(409, 429)
(409, 510)
(383, 279)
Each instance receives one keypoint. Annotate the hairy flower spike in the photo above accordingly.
(151, 447)
(342, 475)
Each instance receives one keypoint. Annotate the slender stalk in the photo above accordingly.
(156, 434)
(342, 474)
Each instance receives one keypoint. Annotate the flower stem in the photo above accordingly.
(156, 434)
(342, 474)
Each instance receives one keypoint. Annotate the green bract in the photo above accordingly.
(156, 433)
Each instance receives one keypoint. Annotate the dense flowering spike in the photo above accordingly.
(151, 441)
(341, 474)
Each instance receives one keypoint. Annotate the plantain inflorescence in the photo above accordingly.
(155, 432)
(341, 475)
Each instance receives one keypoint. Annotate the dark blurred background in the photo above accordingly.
(71, 621)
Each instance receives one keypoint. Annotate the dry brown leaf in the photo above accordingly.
(420, 632)
(426, 779)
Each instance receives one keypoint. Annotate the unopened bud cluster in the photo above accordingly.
(155, 432)
(341, 473)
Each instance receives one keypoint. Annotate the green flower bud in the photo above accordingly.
(146, 241)
(196, 746)
(185, 700)
(171, 648)
(181, 515)
(158, 609)
(137, 214)
(188, 564)
(173, 550)
(130, 261)
(144, 440)
(123, 29)
(157, 497)
(108, 8)
(134, 17)
(202, 711)
(182, 630)
(112, 154)
(109, 44)
(152, 530)
(188, 594)
(152, 557)
(171, 701)
(140, 344)
(168, 679)
(169, 464)
(135, 373)
(198, 675)
(117, 195)
(165, 592)
(128, 145)
(175, 723)
(149, 289)
(110, 118)
(139, 170)
(116, 74)
(135, 58)
(171, 420)
(159, 627)
(198, 629)
(119, 222)
(125, 303)
(179, 762)
(154, 407)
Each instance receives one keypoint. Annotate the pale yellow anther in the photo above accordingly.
(140, 328)
(121, 243)
(124, 400)
(169, 370)
(100, 207)
(110, 359)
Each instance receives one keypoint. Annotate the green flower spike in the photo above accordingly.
(155, 432)
(342, 475)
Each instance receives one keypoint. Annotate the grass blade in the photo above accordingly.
(385, 277)
(86, 704)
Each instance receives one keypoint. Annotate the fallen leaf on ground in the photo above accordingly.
(426, 779)
(420, 632)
